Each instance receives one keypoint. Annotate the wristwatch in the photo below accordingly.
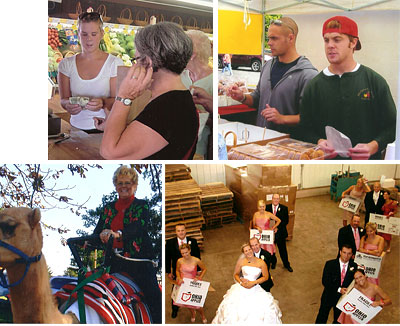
(125, 101)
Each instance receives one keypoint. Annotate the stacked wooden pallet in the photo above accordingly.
(217, 204)
(176, 172)
(182, 205)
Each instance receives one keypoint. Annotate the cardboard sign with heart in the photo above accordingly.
(358, 306)
(190, 292)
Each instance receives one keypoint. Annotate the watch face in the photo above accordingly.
(126, 101)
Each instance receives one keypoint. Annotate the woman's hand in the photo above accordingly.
(136, 81)
(73, 108)
(95, 104)
(200, 96)
(376, 304)
(179, 281)
(100, 123)
(105, 235)
(248, 284)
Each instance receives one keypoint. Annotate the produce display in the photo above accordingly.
(63, 42)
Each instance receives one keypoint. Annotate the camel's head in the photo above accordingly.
(20, 228)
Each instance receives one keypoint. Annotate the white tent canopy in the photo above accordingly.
(313, 6)
(380, 35)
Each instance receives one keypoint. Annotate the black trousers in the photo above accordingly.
(144, 275)
(281, 244)
(325, 308)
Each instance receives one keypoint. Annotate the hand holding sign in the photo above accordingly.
(264, 237)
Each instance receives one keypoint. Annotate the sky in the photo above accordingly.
(98, 182)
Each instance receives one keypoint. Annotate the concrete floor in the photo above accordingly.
(318, 220)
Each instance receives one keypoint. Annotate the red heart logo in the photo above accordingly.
(186, 296)
(345, 203)
(349, 307)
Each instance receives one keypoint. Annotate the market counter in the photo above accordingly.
(80, 145)
(241, 113)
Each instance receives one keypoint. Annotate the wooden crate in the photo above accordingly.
(182, 205)
(176, 172)
(229, 218)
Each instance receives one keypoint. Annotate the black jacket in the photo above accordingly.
(370, 206)
(172, 253)
(268, 284)
(346, 236)
(283, 215)
(331, 279)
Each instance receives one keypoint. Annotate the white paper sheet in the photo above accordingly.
(340, 142)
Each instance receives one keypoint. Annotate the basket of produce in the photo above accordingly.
(69, 54)
(206, 28)
(53, 38)
(77, 12)
(160, 18)
(177, 20)
(191, 23)
(142, 18)
(122, 17)
(234, 137)
(102, 10)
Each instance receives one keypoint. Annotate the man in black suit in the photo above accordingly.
(266, 256)
(373, 202)
(337, 276)
(351, 234)
(282, 212)
(172, 254)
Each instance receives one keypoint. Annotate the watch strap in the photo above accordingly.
(123, 100)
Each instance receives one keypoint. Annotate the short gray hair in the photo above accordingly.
(125, 170)
(166, 44)
(201, 45)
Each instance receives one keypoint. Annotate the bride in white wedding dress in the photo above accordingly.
(246, 301)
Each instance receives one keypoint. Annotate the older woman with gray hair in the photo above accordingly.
(126, 220)
(199, 76)
(167, 127)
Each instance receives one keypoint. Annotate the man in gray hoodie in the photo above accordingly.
(282, 81)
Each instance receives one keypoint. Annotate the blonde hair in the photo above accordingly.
(184, 246)
(125, 170)
(261, 202)
(244, 246)
(372, 225)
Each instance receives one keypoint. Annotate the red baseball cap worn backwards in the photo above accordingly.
(347, 26)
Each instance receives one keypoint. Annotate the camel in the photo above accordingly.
(31, 300)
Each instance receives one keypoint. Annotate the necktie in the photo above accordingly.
(357, 238)
(343, 274)
(274, 210)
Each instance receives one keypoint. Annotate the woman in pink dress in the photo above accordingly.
(261, 221)
(370, 290)
(372, 244)
(389, 208)
(186, 267)
(357, 191)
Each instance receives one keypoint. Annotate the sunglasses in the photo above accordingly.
(90, 16)
(135, 59)
(279, 22)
